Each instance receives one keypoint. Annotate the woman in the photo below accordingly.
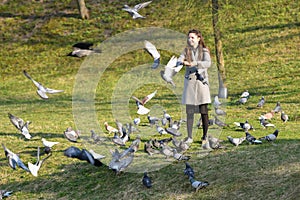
(196, 94)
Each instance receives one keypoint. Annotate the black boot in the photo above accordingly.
(204, 125)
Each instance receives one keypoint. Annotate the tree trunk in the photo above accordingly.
(84, 12)
(218, 49)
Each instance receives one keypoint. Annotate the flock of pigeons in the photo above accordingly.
(170, 147)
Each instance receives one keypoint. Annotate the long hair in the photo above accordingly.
(201, 45)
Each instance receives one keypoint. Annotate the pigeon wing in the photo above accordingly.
(141, 5)
(154, 53)
(52, 91)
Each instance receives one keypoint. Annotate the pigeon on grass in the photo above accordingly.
(251, 139)
(271, 137)
(189, 171)
(198, 184)
(236, 141)
(13, 159)
(147, 180)
(5, 193)
(71, 134)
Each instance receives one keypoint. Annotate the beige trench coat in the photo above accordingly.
(195, 92)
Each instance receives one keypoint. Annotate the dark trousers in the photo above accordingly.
(190, 111)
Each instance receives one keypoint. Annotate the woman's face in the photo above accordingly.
(193, 40)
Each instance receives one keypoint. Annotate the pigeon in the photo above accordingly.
(117, 140)
(34, 168)
(244, 125)
(245, 94)
(219, 123)
(20, 125)
(214, 143)
(268, 115)
(277, 108)
(161, 130)
(110, 129)
(284, 117)
(142, 110)
(83, 49)
(71, 135)
(48, 145)
(265, 123)
(119, 163)
(271, 137)
(96, 138)
(147, 180)
(216, 102)
(134, 11)
(151, 49)
(219, 111)
(244, 97)
(166, 150)
(146, 98)
(205, 144)
(171, 69)
(121, 129)
(179, 156)
(198, 184)
(261, 102)
(41, 90)
(173, 131)
(5, 193)
(135, 144)
(236, 141)
(189, 171)
(136, 121)
(148, 148)
(152, 120)
(251, 139)
(74, 152)
(13, 159)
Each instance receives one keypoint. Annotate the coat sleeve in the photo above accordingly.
(206, 61)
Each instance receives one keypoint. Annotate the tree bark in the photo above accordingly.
(218, 49)
(84, 12)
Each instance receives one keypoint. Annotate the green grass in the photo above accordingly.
(261, 52)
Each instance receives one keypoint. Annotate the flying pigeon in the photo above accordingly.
(13, 159)
(236, 141)
(5, 193)
(216, 102)
(244, 125)
(71, 134)
(74, 152)
(277, 108)
(189, 171)
(147, 180)
(120, 161)
(265, 123)
(20, 125)
(171, 69)
(251, 139)
(261, 102)
(179, 156)
(198, 184)
(151, 49)
(271, 137)
(146, 98)
(284, 117)
(110, 129)
(41, 90)
(134, 11)
(34, 168)
(142, 110)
